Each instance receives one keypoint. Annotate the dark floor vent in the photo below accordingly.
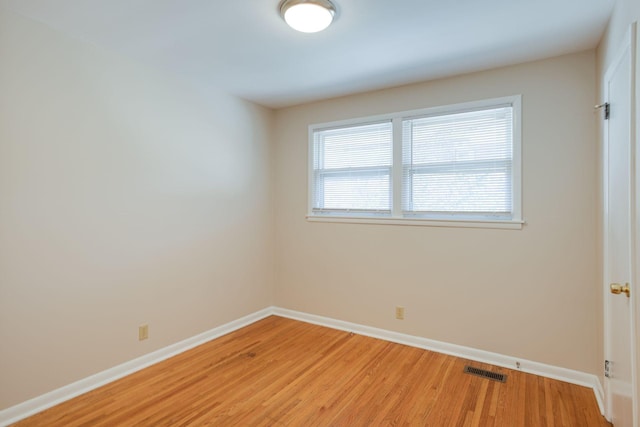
(485, 374)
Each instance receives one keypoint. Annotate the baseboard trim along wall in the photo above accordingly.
(38, 404)
(541, 369)
(47, 400)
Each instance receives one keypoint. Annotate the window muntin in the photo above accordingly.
(447, 165)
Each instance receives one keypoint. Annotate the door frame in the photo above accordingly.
(631, 43)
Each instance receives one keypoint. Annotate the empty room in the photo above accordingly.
(319, 213)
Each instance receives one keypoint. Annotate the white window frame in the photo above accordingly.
(396, 217)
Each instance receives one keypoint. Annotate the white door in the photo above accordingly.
(619, 232)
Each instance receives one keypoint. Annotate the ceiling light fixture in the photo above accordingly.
(307, 16)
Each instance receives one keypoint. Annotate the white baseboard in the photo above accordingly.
(33, 406)
(47, 400)
(541, 369)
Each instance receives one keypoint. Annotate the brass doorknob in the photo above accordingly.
(617, 288)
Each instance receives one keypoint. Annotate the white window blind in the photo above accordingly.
(459, 165)
(352, 169)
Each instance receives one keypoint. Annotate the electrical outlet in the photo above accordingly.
(399, 313)
(143, 332)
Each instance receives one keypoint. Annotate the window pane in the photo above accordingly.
(354, 147)
(482, 191)
(356, 192)
(469, 136)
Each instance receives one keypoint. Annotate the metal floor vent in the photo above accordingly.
(485, 374)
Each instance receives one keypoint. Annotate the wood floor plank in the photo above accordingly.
(281, 372)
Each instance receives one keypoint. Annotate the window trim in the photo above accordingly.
(396, 217)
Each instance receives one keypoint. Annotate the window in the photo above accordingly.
(459, 164)
(352, 169)
(453, 165)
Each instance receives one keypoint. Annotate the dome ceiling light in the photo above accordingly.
(307, 16)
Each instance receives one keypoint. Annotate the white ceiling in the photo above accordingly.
(245, 48)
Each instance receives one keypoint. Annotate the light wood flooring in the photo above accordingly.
(281, 372)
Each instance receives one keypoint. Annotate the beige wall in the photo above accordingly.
(529, 293)
(125, 198)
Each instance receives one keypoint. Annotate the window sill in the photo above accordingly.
(498, 224)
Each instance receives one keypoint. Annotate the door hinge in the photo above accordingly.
(607, 109)
(607, 373)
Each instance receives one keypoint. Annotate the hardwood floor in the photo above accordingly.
(281, 372)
